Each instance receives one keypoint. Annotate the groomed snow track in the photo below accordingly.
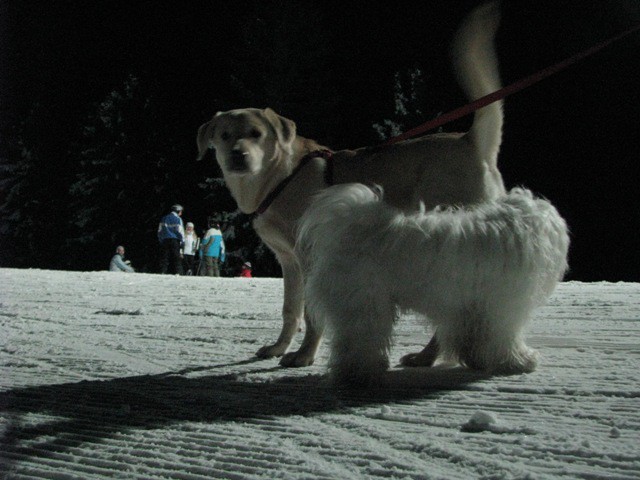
(106, 375)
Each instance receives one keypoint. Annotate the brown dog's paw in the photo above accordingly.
(297, 359)
(420, 359)
(426, 358)
(270, 351)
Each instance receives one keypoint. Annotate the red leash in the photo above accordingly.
(508, 90)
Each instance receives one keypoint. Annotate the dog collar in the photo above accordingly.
(326, 154)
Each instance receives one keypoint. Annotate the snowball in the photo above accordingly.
(483, 418)
(481, 421)
(10, 349)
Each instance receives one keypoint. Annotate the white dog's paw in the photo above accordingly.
(518, 360)
(354, 378)
(358, 372)
(297, 359)
(270, 351)
(525, 360)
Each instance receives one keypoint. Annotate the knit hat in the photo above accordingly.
(189, 224)
(247, 264)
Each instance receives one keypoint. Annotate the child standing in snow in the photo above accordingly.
(213, 250)
(191, 245)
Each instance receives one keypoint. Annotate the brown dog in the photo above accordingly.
(271, 170)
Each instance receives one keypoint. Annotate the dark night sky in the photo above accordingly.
(573, 138)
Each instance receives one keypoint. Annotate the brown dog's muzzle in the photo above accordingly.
(238, 161)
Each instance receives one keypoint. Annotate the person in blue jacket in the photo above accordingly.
(171, 238)
(213, 250)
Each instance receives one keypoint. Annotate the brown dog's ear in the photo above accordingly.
(205, 134)
(285, 128)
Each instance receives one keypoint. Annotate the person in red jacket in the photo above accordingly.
(245, 270)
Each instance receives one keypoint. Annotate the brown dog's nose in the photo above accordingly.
(238, 161)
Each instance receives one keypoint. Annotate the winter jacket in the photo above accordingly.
(117, 264)
(245, 272)
(171, 227)
(213, 244)
(191, 244)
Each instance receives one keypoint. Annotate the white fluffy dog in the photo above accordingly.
(477, 273)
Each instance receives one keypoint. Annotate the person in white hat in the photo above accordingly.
(190, 249)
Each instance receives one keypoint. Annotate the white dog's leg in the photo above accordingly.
(361, 328)
(292, 310)
(490, 341)
(504, 350)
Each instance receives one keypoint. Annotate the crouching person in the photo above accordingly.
(118, 263)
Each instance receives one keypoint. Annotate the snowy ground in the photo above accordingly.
(148, 376)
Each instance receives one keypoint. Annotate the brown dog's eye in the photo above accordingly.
(225, 136)
(255, 133)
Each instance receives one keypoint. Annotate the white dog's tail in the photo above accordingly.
(476, 66)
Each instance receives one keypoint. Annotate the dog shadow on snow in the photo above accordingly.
(100, 409)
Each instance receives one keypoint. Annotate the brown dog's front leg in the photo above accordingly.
(306, 354)
(425, 358)
(292, 311)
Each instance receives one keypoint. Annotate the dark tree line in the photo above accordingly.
(83, 174)
(100, 103)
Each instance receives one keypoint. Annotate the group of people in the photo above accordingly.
(179, 247)
(181, 250)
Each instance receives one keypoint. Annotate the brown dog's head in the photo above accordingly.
(245, 139)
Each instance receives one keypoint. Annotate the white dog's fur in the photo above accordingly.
(258, 149)
(476, 273)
